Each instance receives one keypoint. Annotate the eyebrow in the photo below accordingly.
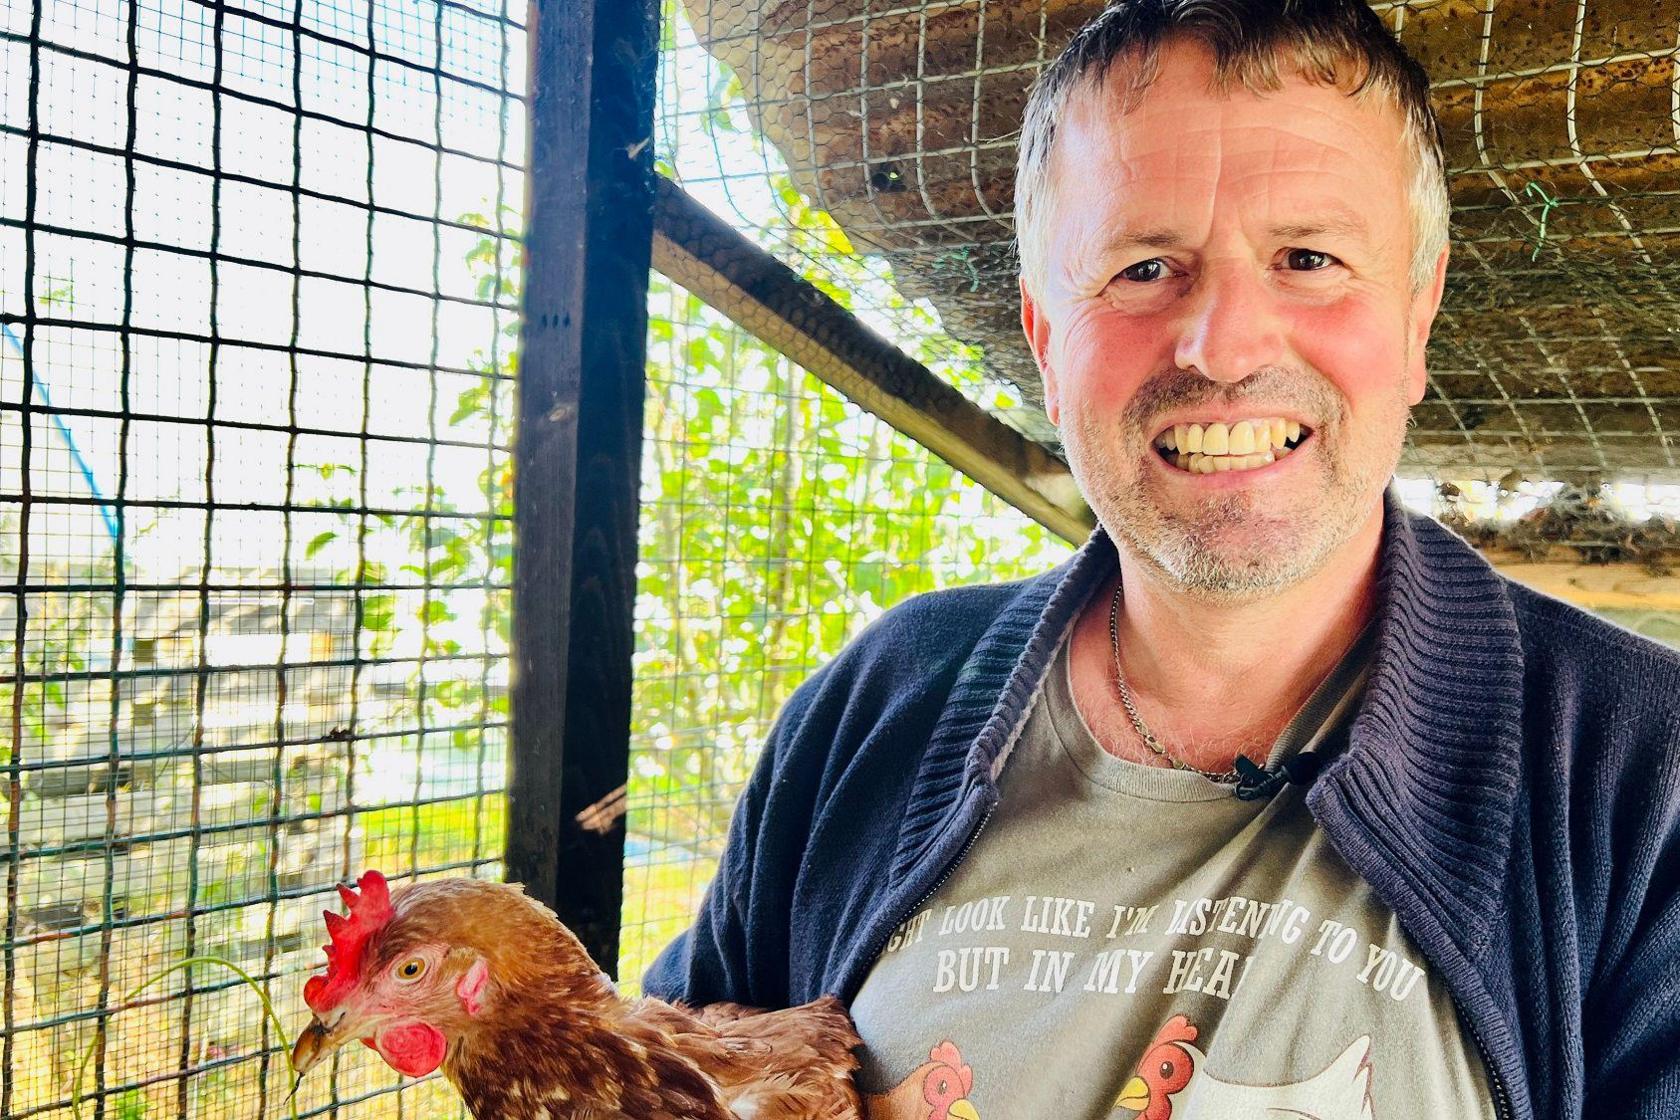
(1337, 223)
(1145, 238)
(1345, 224)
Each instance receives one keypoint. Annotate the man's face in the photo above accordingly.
(1214, 259)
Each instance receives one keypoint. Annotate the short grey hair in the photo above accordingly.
(1255, 43)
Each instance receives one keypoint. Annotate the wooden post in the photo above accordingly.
(581, 386)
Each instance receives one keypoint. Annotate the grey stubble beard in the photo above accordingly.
(1196, 552)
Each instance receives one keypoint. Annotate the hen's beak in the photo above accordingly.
(1134, 1095)
(311, 1046)
(962, 1110)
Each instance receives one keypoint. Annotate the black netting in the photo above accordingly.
(256, 326)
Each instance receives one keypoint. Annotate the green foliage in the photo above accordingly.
(133, 1099)
(777, 518)
(791, 516)
(68, 634)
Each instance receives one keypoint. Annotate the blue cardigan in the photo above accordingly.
(1510, 787)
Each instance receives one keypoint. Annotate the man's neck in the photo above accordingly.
(1211, 679)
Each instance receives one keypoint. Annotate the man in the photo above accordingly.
(1275, 800)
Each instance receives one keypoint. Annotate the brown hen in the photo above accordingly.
(486, 983)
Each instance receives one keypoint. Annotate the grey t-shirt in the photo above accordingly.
(1131, 940)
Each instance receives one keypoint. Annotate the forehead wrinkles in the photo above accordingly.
(1183, 129)
(1220, 144)
(1099, 129)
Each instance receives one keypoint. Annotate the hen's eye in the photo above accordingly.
(1144, 271)
(411, 969)
(1309, 260)
(1166, 1071)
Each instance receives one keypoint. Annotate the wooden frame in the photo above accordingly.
(578, 457)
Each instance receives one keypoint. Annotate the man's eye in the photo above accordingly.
(1309, 260)
(1144, 271)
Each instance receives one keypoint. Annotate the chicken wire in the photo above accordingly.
(1555, 351)
(257, 309)
(777, 518)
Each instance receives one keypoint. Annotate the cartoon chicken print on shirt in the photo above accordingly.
(1170, 1084)
(935, 1090)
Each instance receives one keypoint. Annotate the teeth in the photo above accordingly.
(1242, 438)
(1214, 464)
(1243, 445)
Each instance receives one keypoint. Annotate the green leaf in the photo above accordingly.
(318, 542)
(379, 612)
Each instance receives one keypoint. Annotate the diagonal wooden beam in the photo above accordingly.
(698, 250)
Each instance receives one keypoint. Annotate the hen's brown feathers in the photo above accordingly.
(794, 1064)
(555, 1040)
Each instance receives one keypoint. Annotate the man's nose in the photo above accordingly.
(1231, 325)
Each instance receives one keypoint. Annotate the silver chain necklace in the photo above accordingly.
(1223, 777)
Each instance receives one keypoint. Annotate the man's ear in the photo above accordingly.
(1421, 317)
(1037, 327)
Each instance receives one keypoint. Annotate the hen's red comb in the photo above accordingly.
(947, 1054)
(369, 912)
(1177, 1029)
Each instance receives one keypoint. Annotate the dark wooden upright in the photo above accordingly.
(589, 230)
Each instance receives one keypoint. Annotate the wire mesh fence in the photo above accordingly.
(256, 326)
(777, 518)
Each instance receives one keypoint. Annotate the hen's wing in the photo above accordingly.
(718, 1014)
(794, 1064)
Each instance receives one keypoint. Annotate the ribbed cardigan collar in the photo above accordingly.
(1421, 801)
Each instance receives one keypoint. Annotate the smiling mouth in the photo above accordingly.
(1243, 446)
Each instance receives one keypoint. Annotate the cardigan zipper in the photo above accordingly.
(1501, 1096)
(874, 953)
